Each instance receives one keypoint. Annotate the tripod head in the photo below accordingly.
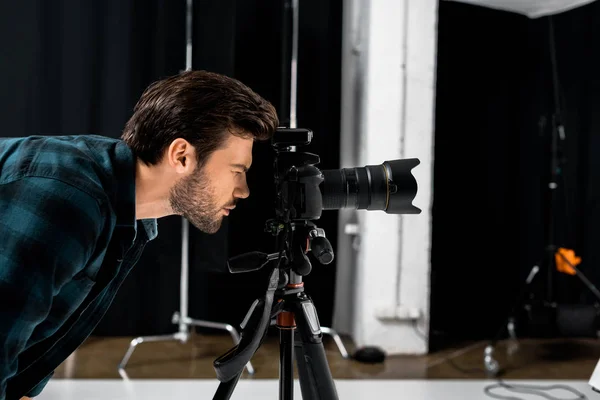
(306, 238)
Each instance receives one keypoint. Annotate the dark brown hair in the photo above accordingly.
(200, 107)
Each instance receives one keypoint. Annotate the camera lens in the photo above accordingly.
(389, 187)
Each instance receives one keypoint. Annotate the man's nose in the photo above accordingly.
(242, 192)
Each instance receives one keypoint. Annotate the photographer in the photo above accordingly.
(77, 211)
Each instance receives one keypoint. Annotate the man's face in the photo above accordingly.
(210, 193)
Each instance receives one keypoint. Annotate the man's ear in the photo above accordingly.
(181, 156)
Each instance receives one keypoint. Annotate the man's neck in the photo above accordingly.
(151, 192)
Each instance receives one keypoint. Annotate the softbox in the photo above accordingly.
(530, 8)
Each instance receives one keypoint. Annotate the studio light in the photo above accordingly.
(529, 8)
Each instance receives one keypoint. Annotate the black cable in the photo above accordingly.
(419, 333)
(467, 371)
(554, 64)
(449, 359)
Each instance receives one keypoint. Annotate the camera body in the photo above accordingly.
(297, 179)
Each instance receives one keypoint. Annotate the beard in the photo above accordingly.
(193, 197)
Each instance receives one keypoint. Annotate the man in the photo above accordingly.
(76, 211)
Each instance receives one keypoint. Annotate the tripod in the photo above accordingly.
(286, 301)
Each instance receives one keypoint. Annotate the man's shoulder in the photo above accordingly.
(86, 162)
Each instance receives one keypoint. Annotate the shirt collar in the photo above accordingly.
(124, 201)
(151, 228)
(125, 195)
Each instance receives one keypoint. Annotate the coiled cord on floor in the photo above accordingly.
(536, 390)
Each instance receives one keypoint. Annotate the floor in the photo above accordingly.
(268, 389)
(98, 358)
(185, 371)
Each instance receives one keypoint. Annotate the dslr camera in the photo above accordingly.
(389, 186)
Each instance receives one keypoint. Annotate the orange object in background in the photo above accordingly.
(566, 260)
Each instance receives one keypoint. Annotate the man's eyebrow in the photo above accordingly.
(240, 166)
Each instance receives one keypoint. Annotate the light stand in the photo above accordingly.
(547, 301)
(182, 317)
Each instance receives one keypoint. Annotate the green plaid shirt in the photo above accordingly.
(68, 239)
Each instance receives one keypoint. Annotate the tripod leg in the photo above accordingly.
(225, 389)
(286, 364)
(316, 381)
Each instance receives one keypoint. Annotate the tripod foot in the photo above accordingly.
(510, 327)
(338, 340)
(491, 365)
(180, 336)
(513, 343)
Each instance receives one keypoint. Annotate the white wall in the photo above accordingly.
(387, 113)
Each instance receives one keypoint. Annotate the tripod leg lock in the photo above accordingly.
(312, 320)
(316, 381)
(306, 315)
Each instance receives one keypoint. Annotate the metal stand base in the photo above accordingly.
(338, 340)
(491, 365)
(183, 336)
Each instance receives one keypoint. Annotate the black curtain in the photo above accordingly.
(79, 67)
(71, 67)
(260, 60)
(243, 39)
(492, 206)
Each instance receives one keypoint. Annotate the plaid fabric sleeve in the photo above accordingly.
(48, 230)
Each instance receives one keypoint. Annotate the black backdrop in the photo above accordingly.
(242, 39)
(71, 67)
(493, 109)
